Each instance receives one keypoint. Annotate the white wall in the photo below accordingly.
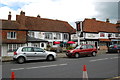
(4, 50)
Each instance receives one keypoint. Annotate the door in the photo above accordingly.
(28, 52)
(83, 50)
(40, 53)
(90, 49)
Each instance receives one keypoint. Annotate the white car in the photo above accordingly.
(32, 53)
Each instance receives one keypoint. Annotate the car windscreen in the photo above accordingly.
(78, 47)
(111, 46)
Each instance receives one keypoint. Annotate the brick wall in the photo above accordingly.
(20, 37)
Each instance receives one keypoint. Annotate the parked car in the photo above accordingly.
(32, 53)
(114, 48)
(56, 48)
(82, 50)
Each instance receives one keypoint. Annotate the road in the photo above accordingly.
(101, 66)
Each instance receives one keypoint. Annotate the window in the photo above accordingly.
(27, 49)
(90, 46)
(102, 35)
(11, 35)
(65, 36)
(84, 47)
(31, 34)
(48, 35)
(58, 36)
(38, 50)
(13, 47)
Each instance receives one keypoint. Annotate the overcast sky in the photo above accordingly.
(66, 10)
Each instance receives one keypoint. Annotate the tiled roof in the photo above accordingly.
(91, 25)
(8, 24)
(47, 25)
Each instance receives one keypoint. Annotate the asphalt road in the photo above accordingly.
(101, 66)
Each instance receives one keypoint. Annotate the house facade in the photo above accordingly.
(32, 31)
(99, 33)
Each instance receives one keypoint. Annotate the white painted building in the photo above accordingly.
(96, 32)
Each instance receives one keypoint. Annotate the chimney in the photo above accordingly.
(38, 16)
(94, 18)
(21, 18)
(107, 20)
(22, 13)
(9, 16)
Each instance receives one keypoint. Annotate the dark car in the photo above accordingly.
(114, 48)
(82, 50)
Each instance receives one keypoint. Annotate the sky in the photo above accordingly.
(66, 10)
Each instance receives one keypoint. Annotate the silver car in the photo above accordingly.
(32, 53)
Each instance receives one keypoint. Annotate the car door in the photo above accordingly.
(90, 49)
(28, 52)
(83, 50)
(40, 53)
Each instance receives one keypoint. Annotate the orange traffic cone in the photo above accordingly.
(85, 75)
(12, 76)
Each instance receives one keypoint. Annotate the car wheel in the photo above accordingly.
(21, 60)
(77, 55)
(93, 53)
(50, 58)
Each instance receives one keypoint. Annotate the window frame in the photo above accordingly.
(11, 35)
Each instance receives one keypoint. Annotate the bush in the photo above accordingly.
(70, 47)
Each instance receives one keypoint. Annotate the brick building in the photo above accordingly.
(32, 31)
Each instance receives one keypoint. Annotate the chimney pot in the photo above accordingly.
(22, 13)
(38, 16)
(9, 16)
(107, 20)
(94, 18)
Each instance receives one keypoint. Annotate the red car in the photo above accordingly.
(82, 50)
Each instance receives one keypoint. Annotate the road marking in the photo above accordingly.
(114, 58)
(41, 66)
(103, 59)
(114, 78)
(17, 69)
(98, 59)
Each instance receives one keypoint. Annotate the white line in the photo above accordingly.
(18, 69)
(62, 64)
(40, 67)
(114, 58)
(98, 59)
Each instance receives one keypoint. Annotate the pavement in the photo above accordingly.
(59, 55)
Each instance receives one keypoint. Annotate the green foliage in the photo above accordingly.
(70, 47)
(48, 46)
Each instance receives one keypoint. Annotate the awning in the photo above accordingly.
(56, 42)
(71, 42)
(107, 40)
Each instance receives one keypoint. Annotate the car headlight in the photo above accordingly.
(71, 51)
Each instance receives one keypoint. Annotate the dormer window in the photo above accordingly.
(11, 35)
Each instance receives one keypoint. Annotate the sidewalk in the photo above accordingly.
(59, 55)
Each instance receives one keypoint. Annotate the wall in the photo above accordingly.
(20, 38)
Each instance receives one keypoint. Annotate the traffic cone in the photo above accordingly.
(12, 76)
(85, 75)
